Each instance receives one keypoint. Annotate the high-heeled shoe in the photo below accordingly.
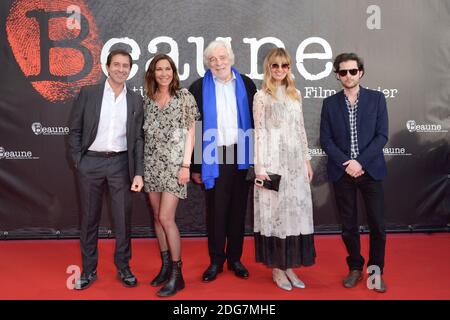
(296, 282)
(279, 277)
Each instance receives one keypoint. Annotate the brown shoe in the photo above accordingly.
(382, 288)
(353, 277)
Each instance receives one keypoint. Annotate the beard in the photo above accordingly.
(350, 84)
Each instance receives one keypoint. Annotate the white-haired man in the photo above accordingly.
(225, 100)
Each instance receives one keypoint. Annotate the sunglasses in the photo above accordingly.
(284, 66)
(343, 72)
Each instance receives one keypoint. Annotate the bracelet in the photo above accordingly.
(186, 166)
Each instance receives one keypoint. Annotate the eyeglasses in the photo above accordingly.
(284, 66)
(343, 72)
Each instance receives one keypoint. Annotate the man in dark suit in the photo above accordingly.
(353, 132)
(106, 146)
(225, 99)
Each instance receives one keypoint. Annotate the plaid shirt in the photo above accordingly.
(352, 113)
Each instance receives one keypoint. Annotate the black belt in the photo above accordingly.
(104, 154)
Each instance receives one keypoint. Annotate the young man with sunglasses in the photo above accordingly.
(353, 132)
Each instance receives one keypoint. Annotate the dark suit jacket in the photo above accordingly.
(372, 130)
(196, 90)
(84, 119)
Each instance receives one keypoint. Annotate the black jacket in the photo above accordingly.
(83, 124)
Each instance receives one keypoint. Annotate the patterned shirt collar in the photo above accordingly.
(353, 115)
(347, 101)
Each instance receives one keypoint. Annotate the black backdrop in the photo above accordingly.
(51, 48)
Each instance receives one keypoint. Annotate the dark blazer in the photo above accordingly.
(196, 89)
(84, 119)
(372, 130)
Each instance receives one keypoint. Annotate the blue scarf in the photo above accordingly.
(210, 171)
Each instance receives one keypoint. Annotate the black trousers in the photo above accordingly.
(95, 174)
(226, 206)
(372, 193)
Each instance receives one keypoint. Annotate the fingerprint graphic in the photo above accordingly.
(56, 59)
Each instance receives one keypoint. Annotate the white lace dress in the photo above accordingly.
(283, 220)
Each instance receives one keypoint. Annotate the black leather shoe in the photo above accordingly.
(239, 269)
(352, 278)
(86, 280)
(211, 273)
(127, 278)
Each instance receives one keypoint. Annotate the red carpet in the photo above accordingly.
(417, 267)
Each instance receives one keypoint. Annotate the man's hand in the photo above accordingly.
(197, 178)
(137, 184)
(353, 169)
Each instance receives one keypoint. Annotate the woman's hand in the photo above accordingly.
(197, 178)
(262, 177)
(183, 175)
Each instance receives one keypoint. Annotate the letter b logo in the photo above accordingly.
(55, 57)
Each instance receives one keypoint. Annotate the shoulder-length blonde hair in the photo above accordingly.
(269, 84)
(150, 83)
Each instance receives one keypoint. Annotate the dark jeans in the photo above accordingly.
(95, 174)
(372, 193)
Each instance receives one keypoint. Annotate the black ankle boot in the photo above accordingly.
(164, 273)
(176, 281)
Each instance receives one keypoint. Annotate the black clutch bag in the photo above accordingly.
(272, 184)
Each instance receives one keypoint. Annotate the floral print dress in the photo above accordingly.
(165, 132)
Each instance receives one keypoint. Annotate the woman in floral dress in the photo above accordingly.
(169, 120)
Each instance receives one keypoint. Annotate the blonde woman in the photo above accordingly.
(283, 220)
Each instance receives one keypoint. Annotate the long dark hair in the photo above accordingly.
(150, 83)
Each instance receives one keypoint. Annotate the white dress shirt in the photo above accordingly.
(112, 126)
(227, 125)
